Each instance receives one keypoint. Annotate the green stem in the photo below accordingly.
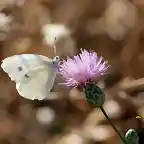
(107, 117)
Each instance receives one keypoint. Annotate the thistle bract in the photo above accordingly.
(94, 94)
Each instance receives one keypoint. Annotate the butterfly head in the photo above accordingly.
(56, 61)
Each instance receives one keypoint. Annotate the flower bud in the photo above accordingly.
(132, 137)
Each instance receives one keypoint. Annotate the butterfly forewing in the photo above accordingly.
(14, 67)
(17, 66)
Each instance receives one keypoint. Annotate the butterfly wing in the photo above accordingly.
(38, 83)
(35, 59)
(18, 65)
(14, 67)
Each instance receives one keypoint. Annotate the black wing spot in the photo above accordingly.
(26, 76)
(20, 69)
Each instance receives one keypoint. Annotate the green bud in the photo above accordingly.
(132, 137)
(94, 94)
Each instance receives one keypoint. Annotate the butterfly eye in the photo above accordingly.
(57, 57)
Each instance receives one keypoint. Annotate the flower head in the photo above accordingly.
(83, 67)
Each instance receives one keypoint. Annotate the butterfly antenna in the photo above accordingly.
(54, 46)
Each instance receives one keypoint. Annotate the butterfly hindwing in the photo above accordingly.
(38, 83)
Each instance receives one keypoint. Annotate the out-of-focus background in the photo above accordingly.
(114, 29)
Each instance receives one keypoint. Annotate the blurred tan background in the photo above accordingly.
(114, 29)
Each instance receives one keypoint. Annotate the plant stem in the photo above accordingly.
(107, 117)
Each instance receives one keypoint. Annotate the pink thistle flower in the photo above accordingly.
(80, 69)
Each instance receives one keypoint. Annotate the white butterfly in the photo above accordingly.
(33, 74)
